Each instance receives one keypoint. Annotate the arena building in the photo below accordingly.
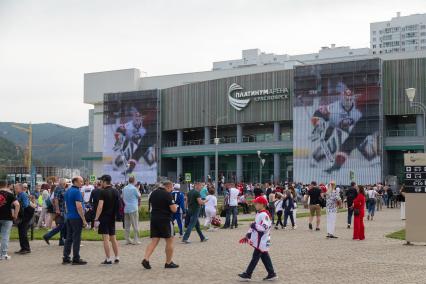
(339, 114)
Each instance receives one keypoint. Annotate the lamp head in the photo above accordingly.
(410, 93)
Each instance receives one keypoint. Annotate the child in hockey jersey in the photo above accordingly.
(258, 237)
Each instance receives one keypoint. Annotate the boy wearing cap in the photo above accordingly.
(259, 238)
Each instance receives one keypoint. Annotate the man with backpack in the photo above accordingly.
(59, 209)
(351, 194)
(108, 208)
(26, 214)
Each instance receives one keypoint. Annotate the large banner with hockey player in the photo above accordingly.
(131, 133)
(336, 122)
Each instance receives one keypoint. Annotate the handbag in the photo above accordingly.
(186, 220)
(356, 212)
(49, 206)
(322, 202)
(216, 221)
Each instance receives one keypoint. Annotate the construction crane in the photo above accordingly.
(45, 145)
(48, 145)
(29, 131)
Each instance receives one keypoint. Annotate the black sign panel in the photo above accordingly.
(415, 179)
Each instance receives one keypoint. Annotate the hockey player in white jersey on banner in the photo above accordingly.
(340, 128)
(129, 144)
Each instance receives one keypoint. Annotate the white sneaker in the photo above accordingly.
(5, 257)
(136, 243)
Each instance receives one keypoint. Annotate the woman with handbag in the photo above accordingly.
(359, 212)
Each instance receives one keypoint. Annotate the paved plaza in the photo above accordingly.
(299, 256)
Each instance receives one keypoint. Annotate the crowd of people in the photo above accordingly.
(66, 208)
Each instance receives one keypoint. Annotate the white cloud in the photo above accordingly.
(47, 46)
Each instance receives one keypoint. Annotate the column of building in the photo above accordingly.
(239, 157)
(419, 125)
(206, 158)
(277, 163)
(179, 166)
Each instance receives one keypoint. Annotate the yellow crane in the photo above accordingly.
(29, 131)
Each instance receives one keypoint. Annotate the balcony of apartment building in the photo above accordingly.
(233, 139)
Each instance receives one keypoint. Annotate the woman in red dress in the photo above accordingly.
(359, 211)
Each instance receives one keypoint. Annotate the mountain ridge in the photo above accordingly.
(53, 144)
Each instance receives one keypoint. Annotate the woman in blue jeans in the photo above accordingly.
(371, 202)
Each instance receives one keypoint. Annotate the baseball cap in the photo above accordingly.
(176, 186)
(261, 200)
(106, 178)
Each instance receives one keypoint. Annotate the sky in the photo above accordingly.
(47, 46)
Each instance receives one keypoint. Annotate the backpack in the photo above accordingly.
(226, 201)
(49, 206)
(119, 210)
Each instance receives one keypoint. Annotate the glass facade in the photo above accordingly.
(228, 167)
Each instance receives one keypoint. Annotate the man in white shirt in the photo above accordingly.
(232, 207)
(86, 190)
(131, 198)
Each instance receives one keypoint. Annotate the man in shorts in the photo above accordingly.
(314, 195)
(161, 226)
(105, 214)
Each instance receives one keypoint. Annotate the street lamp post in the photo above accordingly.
(216, 163)
(261, 163)
(411, 93)
(216, 155)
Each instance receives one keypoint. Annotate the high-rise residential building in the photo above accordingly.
(400, 34)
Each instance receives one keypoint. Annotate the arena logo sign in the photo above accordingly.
(240, 99)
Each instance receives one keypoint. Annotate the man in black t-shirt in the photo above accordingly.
(93, 201)
(161, 226)
(314, 194)
(269, 190)
(106, 212)
(7, 203)
(257, 190)
(351, 194)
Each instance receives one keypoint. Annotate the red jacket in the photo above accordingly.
(359, 203)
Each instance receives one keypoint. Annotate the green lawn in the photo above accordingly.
(91, 235)
(87, 235)
(399, 235)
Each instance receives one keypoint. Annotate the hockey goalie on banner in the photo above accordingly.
(339, 128)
